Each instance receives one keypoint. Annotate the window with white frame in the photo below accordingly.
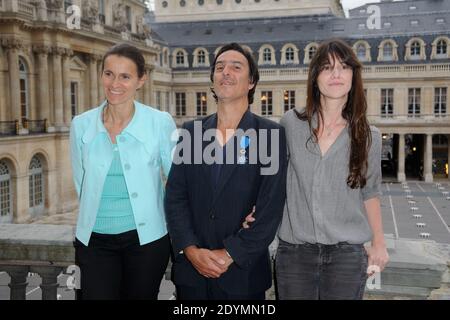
(201, 57)
(36, 183)
(441, 48)
(361, 52)
(388, 52)
(387, 102)
(440, 101)
(5, 193)
(311, 52)
(266, 103)
(202, 107)
(267, 55)
(289, 55)
(180, 58)
(23, 87)
(288, 99)
(413, 102)
(415, 50)
(180, 104)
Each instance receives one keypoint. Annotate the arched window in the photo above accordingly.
(441, 48)
(361, 52)
(23, 87)
(415, 49)
(267, 55)
(290, 55)
(36, 186)
(388, 51)
(5, 193)
(312, 52)
(201, 57)
(180, 58)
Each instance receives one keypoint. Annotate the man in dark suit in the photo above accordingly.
(207, 201)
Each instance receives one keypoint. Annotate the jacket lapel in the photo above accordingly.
(246, 123)
(208, 123)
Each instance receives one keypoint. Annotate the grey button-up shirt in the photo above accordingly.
(320, 206)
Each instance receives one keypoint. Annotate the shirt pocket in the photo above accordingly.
(152, 155)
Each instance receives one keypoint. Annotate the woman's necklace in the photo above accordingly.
(330, 128)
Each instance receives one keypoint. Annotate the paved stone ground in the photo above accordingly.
(414, 210)
(417, 210)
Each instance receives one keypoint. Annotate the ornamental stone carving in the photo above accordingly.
(90, 10)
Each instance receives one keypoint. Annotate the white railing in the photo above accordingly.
(444, 67)
(438, 119)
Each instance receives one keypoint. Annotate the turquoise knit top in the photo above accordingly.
(115, 214)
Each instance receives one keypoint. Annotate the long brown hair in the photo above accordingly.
(354, 110)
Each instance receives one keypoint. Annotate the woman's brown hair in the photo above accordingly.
(354, 110)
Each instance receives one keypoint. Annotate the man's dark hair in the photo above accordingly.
(130, 52)
(253, 68)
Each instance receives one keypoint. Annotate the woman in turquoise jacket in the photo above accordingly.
(120, 152)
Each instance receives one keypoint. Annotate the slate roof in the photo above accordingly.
(302, 30)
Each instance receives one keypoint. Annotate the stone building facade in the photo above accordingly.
(404, 47)
(49, 72)
(50, 67)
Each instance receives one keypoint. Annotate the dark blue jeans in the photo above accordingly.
(320, 272)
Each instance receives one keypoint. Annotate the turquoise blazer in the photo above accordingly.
(145, 148)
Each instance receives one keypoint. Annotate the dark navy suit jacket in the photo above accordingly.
(211, 216)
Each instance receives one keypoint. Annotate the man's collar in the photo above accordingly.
(245, 123)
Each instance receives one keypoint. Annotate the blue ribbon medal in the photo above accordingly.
(245, 142)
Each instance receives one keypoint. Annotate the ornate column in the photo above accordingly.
(93, 78)
(12, 50)
(67, 117)
(148, 86)
(49, 285)
(428, 158)
(401, 177)
(19, 283)
(58, 97)
(277, 106)
(42, 52)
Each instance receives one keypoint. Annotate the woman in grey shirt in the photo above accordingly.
(333, 186)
